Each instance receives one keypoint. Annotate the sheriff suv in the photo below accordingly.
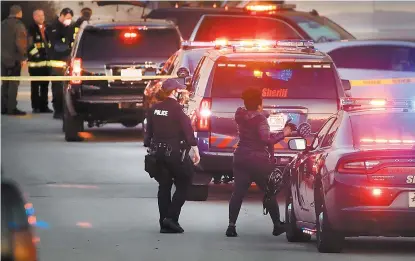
(297, 82)
(130, 49)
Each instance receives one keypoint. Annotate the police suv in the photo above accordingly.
(297, 83)
(124, 49)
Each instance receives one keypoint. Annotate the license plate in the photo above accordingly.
(132, 74)
(277, 122)
(411, 199)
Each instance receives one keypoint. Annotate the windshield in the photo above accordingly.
(238, 28)
(321, 30)
(114, 44)
(286, 80)
(392, 129)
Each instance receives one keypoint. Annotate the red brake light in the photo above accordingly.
(203, 120)
(76, 70)
(356, 166)
(130, 35)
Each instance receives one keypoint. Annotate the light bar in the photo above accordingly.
(295, 43)
(270, 8)
(262, 43)
(376, 103)
(197, 44)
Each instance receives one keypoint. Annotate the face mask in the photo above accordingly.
(67, 22)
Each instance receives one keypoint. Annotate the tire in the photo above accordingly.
(198, 193)
(130, 124)
(328, 240)
(72, 125)
(293, 233)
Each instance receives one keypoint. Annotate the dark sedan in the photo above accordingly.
(358, 176)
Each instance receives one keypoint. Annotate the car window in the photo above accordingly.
(234, 27)
(287, 80)
(375, 57)
(384, 129)
(329, 138)
(192, 59)
(117, 43)
(196, 75)
(323, 131)
(205, 72)
(321, 29)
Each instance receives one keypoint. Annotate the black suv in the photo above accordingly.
(114, 49)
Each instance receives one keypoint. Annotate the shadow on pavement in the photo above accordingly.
(380, 245)
(117, 134)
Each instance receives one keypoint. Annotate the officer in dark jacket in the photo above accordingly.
(86, 14)
(39, 61)
(13, 55)
(167, 127)
(252, 161)
(60, 33)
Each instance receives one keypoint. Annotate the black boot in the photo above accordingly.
(279, 229)
(231, 231)
(173, 225)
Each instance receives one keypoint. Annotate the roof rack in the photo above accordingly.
(350, 104)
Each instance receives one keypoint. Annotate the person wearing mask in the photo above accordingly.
(39, 62)
(60, 34)
(13, 56)
(170, 136)
(252, 161)
(86, 14)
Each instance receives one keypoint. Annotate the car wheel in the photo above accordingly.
(72, 126)
(293, 233)
(198, 192)
(130, 124)
(328, 240)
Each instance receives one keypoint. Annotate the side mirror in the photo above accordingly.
(346, 85)
(183, 72)
(297, 144)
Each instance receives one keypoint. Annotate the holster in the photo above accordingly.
(150, 165)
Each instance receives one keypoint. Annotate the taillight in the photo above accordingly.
(357, 166)
(76, 70)
(203, 118)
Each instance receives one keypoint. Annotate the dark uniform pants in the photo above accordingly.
(247, 168)
(9, 88)
(39, 89)
(57, 90)
(172, 171)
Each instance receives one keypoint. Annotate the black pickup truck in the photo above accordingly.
(114, 49)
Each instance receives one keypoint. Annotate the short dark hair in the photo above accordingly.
(66, 11)
(86, 12)
(15, 9)
(252, 98)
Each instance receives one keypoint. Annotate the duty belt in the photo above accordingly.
(161, 149)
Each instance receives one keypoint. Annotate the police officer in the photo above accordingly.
(167, 127)
(252, 160)
(86, 14)
(60, 33)
(38, 62)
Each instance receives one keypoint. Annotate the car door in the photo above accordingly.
(305, 174)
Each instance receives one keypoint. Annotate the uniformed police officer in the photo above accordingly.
(167, 128)
(60, 33)
(39, 62)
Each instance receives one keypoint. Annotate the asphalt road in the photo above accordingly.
(93, 201)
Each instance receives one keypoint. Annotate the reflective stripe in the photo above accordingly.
(39, 45)
(76, 29)
(34, 51)
(63, 40)
(72, 44)
(38, 64)
(74, 35)
(57, 64)
(49, 45)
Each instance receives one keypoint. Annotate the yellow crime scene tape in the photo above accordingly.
(82, 78)
(356, 83)
(373, 82)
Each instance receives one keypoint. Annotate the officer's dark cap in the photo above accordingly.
(172, 84)
(66, 11)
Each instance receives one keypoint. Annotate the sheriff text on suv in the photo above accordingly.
(114, 49)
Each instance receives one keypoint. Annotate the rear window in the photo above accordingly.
(239, 28)
(288, 80)
(321, 29)
(114, 44)
(393, 129)
(375, 57)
